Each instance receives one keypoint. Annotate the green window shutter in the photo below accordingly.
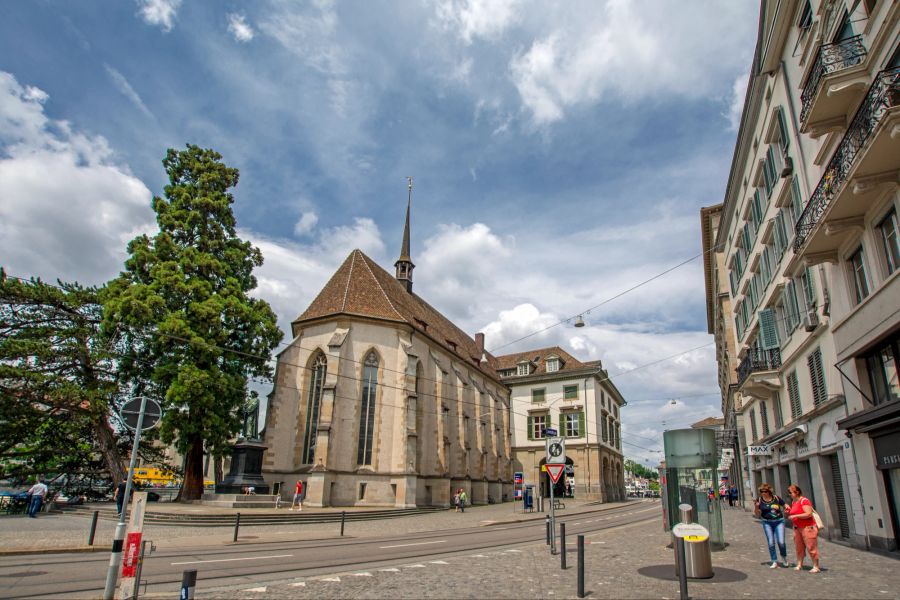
(562, 425)
(581, 424)
(768, 332)
(530, 427)
(783, 130)
(796, 202)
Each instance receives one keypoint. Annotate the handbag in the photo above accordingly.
(819, 522)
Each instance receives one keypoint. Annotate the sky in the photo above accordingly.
(561, 151)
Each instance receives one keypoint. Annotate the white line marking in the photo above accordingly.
(195, 562)
(578, 523)
(389, 570)
(415, 566)
(513, 550)
(479, 556)
(299, 584)
(414, 544)
(261, 590)
(363, 574)
(439, 562)
(335, 579)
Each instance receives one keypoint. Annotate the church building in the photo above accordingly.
(380, 400)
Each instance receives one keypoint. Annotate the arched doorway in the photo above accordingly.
(559, 489)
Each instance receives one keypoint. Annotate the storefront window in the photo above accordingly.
(882, 367)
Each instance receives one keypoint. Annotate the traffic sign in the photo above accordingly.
(555, 471)
(691, 532)
(556, 450)
(550, 432)
(131, 411)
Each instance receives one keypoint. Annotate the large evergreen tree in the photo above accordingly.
(184, 298)
(58, 382)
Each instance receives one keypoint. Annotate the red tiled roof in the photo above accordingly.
(361, 287)
(709, 422)
(538, 359)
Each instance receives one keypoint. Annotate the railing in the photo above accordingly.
(758, 360)
(883, 95)
(831, 58)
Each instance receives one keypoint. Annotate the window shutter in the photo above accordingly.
(782, 130)
(817, 377)
(767, 330)
(562, 424)
(581, 424)
(794, 395)
(530, 427)
(810, 289)
(796, 202)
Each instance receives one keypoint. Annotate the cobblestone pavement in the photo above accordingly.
(628, 562)
(64, 531)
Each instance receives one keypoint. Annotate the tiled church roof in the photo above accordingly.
(361, 287)
(537, 358)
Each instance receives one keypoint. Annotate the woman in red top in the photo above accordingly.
(806, 534)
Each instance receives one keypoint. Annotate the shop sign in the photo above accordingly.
(759, 450)
(887, 451)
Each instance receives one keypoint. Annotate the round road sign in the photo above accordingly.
(131, 410)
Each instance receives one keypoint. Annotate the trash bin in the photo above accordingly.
(528, 497)
(697, 555)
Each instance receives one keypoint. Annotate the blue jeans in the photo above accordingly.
(34, 506)
(774, 531)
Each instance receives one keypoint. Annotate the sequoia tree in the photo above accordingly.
(59, 382)
(197, 335)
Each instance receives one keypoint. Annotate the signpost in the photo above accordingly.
(138, 414)
(132, 552)
(555, 464)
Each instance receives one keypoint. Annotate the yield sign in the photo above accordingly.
(555, 471)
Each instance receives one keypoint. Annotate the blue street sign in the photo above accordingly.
(550, 432)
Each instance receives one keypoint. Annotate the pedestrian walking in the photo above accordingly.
(769, 508)
(456, 501)
(298, 496)
(733, 496)
(36, 494)
(806, 530)
(119, 495)
(463, 498)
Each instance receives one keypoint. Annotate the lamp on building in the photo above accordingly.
(579, 321)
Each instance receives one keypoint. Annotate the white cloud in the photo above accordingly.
(125, 88)
(67, 209)
(239, 28)
(736, 106)
(478, 18)
(306, 223)
(159, 12)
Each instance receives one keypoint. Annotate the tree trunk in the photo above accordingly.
(106, 440)
(218, 461)
(192, 487)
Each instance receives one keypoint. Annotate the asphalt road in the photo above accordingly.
(83, 575)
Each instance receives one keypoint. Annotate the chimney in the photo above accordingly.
(479, 342)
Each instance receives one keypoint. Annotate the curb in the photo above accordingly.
(63, 550)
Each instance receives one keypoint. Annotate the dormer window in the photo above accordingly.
(422, 324)
(552, 365)
(523, 369)
(452, 345)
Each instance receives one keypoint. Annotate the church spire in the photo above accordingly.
(404, 264)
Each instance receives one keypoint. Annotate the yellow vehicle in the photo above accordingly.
(154, 476)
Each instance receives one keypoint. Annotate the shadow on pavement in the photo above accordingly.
(667, 573)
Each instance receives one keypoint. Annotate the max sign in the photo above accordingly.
(759, 450)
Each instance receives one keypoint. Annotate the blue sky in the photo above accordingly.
(561, 152)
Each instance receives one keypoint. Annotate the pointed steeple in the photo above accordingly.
(404, 264)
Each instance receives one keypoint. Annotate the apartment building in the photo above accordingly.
(806, 245)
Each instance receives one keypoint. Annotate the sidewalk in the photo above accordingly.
(629, 562)
(68, 532)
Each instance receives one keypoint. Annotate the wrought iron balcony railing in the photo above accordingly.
(758, 360)
(883, 95)
(831, 58)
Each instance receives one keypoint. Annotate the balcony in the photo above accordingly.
(867, 158)
(757, 373)
(834, 83)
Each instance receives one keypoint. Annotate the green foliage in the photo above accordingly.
(196, 333)
(58, 381)
(640, 470)
(654, 485)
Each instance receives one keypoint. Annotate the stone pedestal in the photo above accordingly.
(246, 469)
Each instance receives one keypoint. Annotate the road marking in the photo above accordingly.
(299, 584)
(439, 562)
(389, 570)
(196, 562)
(513, 550)
(261, 590)
(578, 523)
(363, 574)
(415, 566)
(479, 556)
(414, 544)
(335, 579)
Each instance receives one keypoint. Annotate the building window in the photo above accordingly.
(794, 395)
(805, 18)
(858, 275)
(536, 426)
(753, 434)
(523, 369)
(890, 242)
(817, 376)
(570, 392)
(776, 409)
(882, 367)
(552, 365)
(572, 424)
(604, 430)
(764, 417)
(316, 380)
(538, 395)
(367, 410)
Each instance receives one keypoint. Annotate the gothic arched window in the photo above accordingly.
(316, 380)
(367, 410)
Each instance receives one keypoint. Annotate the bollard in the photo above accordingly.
(581, 566)
(343, 516)
(682, 572)
(93, 528)
(562, 546)
(237, 526)
(188, 583)
(547, 523)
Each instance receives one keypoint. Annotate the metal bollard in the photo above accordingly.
(237, 526)
(581, 566)
(682, 572)
(188, 583)
(562, 546)
(547, 523)
(343, 517)
(93, 528)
